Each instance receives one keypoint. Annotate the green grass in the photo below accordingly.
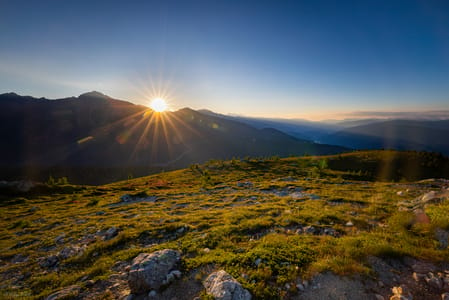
(203, 212)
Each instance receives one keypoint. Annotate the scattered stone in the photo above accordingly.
(246, 184)
(89, 283)
(206, 250)
(176, 273)
(349, 224)
(223, 286)
(100, 213)
(110, 233)
(152, 294)
(330, 231)
(443, 238)
(257, 262)
(18, 258)
(149, 271)
(300, 287)
(33, 209)
(400, 193)
(126, 198)
(434, 281)
(313, 196)
(309, 229)
(88, 239)
(289, 178)
(70, 251)
(66, 293)
(60, 238)
(49, 262)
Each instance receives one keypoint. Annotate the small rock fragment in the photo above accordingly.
(60, 238)
(300, 287)
(434, 281)
(443, 238)
(152, 294)
(110, 233)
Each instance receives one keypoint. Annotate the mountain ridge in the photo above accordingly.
(95, 130)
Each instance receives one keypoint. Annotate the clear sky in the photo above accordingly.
(277, 58)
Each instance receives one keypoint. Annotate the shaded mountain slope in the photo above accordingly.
(94, 131)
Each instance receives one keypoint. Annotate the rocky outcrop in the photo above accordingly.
(152, 271)
(127, 198)
(223, 286)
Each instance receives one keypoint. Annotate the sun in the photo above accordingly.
(159, 105)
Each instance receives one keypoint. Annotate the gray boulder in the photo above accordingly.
(150, 271)
(223, 286)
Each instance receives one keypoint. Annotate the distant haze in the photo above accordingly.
(290, 59)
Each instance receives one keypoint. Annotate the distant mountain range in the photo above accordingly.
(395, 134)
(399, 134)
(94, 138)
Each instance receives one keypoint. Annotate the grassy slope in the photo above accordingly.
(205, 207)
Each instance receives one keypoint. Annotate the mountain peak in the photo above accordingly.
(94, 94)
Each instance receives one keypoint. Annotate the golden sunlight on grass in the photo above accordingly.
(159, 105)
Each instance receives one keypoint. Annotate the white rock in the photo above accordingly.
(223, 286)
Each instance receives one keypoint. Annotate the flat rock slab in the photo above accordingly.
(328, 286)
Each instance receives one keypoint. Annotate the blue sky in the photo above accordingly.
(308, 59)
